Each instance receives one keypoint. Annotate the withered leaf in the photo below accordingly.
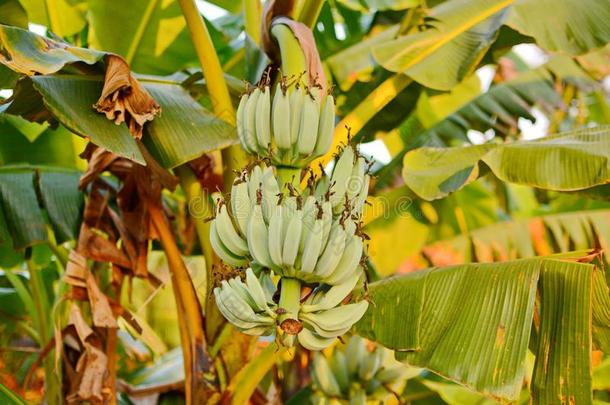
(95, 247)
(100, 308)
(124, 99)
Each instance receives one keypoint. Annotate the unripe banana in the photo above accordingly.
(229, 300)
(241, 123)
(356, 349)
(263, 120)
(281, 118)
(340, 178)
(348, 265)
(292, 239)
(270, 190)
(357, 396)
(360, 200)
(258, 294)
(250, 122)
(241, 205)
(323, 376)
(228, 235)
(338, 365)
(308, 130)
(332, 252)
(370, 365)
(297, 98)
(309, 215)
(222, 251)
(312, 247)
(333, 297)
(258, 238)
(336, 321)
(326, 126)
(276, 235)
(356, 179)
(255, 179)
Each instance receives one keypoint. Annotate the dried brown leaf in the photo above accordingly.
(100, 307)
(124, 99)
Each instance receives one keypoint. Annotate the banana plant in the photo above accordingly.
(235, 148)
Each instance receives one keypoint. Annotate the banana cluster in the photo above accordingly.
(292, 128)
(358, 373)
(313, 237)
(322, 317)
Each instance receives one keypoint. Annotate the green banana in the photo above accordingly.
(258, 294)
(249, 136)
(356, 178)
(340, 178)
(271, 190)
(332, 252)
(312, 341)
(241, 205)
(281, 118)
(258, 237)
(338, 365)
(292, 239)
(308, 130)
(370, 364)
(354, 352)
(255, 179)
(276, 235)
(222, 251)
(312, 247)
(348, 265)
(241, 122)
(229, 236)
(336, 321)
(323, 376)
(263, 120)
(326, 126)
(333, 297)
(297, 98)
(360, 199)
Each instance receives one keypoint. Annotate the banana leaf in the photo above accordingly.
(472, 324)
(26, 215)
(434, 173)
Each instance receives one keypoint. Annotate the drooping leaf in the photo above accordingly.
(441, 56)
(183, 132)
(27, 53)
(62, 201)
(562, 372)
(435, 172)
(471, 323)
(578, 26)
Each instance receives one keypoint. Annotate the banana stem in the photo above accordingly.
(190, 318)
(294, 62)
(252, 19)
(234, 157)
(290, 303)
(289, 175)
(310, 10)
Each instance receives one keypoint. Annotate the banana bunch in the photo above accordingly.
(248, 305)
(357, 373)
(322, 317)
(293, 235)
(293, 127)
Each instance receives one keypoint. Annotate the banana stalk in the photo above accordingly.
(290, 303)
(197, 364)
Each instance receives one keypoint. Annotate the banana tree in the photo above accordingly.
(274, 260)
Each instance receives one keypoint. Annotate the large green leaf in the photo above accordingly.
(573, 160)
(62, 17)
(9, 397)
(22, 210)
(28, 53)
(441, 56)
(572, 26)
(183, 131)
(153, 37)
(471, 323)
